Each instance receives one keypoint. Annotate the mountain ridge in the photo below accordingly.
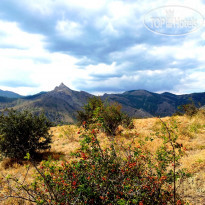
(61, 104)
(9, 94)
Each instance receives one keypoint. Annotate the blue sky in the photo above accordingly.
(98, 46)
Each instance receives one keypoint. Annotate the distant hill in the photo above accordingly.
(6, 99)
(9, 94)
(60, 105)
(162, 105)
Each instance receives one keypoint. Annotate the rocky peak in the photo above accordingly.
(63, 88)
(62, 85)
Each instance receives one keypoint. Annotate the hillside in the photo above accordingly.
(9, 94)
(154, 104)
(191, 132)
(60, 105)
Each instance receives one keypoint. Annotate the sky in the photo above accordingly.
(98, 46)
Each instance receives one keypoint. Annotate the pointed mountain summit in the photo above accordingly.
(63, 88)
(60, 104)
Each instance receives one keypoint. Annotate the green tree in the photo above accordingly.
(90, 112)
(112, 118)
(189, 109)
(109, 115)
(22, 133)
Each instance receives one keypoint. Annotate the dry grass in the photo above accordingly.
(65, 139)
(191, 134)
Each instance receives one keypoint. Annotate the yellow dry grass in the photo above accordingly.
(191, 133)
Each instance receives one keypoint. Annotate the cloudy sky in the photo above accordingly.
(99, 46)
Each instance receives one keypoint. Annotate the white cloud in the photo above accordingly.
(68, 29)
(188, 50)
(107, 35)
(13, 36)
(32, 65)
(101, 69)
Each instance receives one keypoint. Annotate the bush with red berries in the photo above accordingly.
(110, 176)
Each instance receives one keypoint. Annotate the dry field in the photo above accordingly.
(191, 133)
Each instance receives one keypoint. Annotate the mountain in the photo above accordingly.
(9, 94)
(164, 104)
(60, 105)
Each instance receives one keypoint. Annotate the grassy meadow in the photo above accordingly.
(191, 133)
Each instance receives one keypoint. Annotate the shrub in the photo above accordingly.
(112, 117)
(127, 122)
(107, 176)
(108, 115)
(90, 112)
(189, 109)
(22, 132)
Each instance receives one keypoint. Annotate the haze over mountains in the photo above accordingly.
(60, 105)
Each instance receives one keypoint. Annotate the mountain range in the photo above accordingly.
(9, 94)
(60, 105)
